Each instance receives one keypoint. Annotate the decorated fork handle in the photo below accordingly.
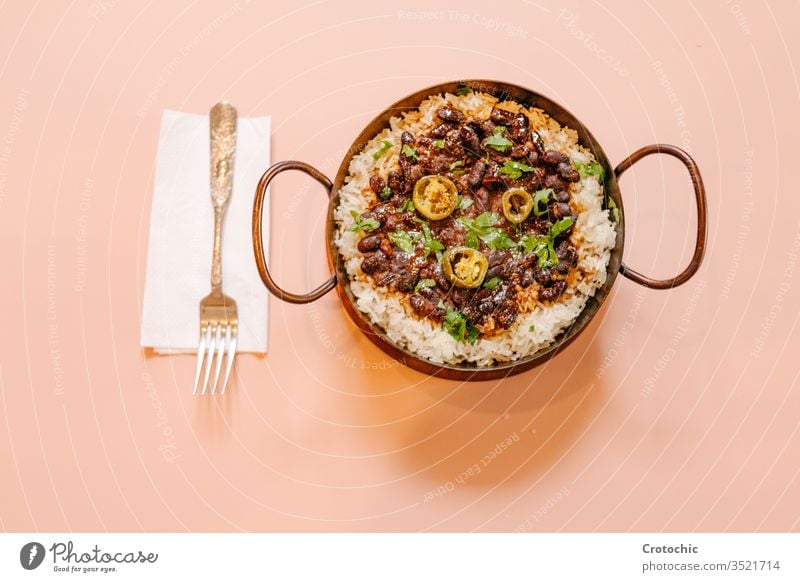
(223, 152)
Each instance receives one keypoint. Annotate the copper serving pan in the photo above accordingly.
(341, 282)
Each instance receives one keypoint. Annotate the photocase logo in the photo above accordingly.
(31, 555)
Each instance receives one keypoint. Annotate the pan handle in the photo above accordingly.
(258, 245)
(700, 200)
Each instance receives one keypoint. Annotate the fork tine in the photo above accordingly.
(231, 353)
(210, 357)
(222, 345)
(205, 332)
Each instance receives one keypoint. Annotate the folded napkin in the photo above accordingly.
(181, 232)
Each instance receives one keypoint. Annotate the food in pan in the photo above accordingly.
(473, 229)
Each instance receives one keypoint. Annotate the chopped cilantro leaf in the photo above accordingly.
(493, 283)
(409, 152)
(362, 224)
(514, 170)
(498, 141)
(384, 148)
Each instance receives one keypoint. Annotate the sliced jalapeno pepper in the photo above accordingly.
(517, 205)
(465, 267)
(435, 197)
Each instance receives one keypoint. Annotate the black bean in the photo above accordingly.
(566, 254)
(538, 142)
(421, 305)
(554, 181)
(384, 277)
(459, 296)
(520, 151)
(413, 173)
(373, 262)
(376, 184)
(543, 276)
(492, 176)
(450, 235)
(369, 243)
(567, 172)
(553, 157)
(501, 116)
(519, 128)
(429, 292)
(387, 248)
(506, 314)
(561, 209)
(475, 126)
(439, 164)
(394, 221)
(452, 143)
(551, 293)
(561, 196)
(487, 127)
(407, 138)
(440, 130)
(438, 276)
(476, 173)
(470, 138)
(406, 279)
(526, 280)
(496, 271)
(524, 261)
(396, 182)
(496, 257)
(450, 115)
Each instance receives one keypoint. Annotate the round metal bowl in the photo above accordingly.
(341, 281)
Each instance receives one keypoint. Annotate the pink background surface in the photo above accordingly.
(675, 410)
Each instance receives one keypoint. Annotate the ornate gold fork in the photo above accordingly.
(218, 320)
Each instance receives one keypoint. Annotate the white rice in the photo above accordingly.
(538, 324)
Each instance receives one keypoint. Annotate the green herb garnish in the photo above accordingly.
(384, 148)
(408, 205)
(590, 169)
(529, 243)
(531, 329)
(477, 227)
(456, 164)
(464, 203)
(541, 196)
(439, 143)
(493, 283)
(409, 152)
(484, 228)
(386, 192)
(363, 224)
(547, 255)
(498, 141)
(543, 246)
(457, 325)
(514, 170)
(463, 90)
(422, 283)
(405, 241)
(560, 226)
(612, 206)
(429, 243)
(497, 238)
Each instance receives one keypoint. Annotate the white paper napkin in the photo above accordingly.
(181, 233)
